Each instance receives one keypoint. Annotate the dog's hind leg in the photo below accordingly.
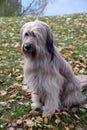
(72, 95)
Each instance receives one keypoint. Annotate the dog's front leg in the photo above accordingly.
(51, 104)
(35, 100)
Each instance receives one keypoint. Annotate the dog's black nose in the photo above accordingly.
(27, 47)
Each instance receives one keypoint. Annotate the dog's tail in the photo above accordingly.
(83, 81)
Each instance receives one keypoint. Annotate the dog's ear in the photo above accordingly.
(49, 44)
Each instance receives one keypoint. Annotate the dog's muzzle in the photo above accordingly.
(29, 48)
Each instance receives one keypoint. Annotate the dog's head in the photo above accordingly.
(36, 39)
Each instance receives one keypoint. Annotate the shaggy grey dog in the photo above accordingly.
(49, 77)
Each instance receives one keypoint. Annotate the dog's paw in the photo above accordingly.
(48, 112)
(35, 106)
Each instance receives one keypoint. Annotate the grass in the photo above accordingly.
(70, 32)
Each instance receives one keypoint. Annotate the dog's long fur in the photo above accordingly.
(49, 77)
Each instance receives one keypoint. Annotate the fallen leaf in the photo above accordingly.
(34, 112)
(74, 110)
(19, 121)
(6, 118)
(57, 121)
(29, 123)
(66, 114)
(39, 125)
(19, 78)
(5, 104)
(71, 127)
(25, 91)
(49, 126)
(46, 120)
(66, 128)
(84, 106)
(3, 93)
(82, 109)
(30, 128)
(26, 104)
(39, 119)
(13, 95)
(77, 116)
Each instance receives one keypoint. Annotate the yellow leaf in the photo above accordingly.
(71, 127)
(62, 33)
(1, 52)
(46, 120)
(19, 78)
(13, 96)
(39, 119)
(18, 86)
(66, 114)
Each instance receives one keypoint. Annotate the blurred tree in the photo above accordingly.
(15, 8)
(35, 8)
(10, 7)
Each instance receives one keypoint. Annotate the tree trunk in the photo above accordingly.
(83, 81)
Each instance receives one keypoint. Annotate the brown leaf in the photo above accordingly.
(30, 128)
(5, 104)
(26, 104)
(66, 128)
(74, 110)
(10, 88)
(34, 112)
(19, 121)
(2, 93)
(6, 118)
(25, 91)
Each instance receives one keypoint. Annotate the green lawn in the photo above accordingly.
(70, 34)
